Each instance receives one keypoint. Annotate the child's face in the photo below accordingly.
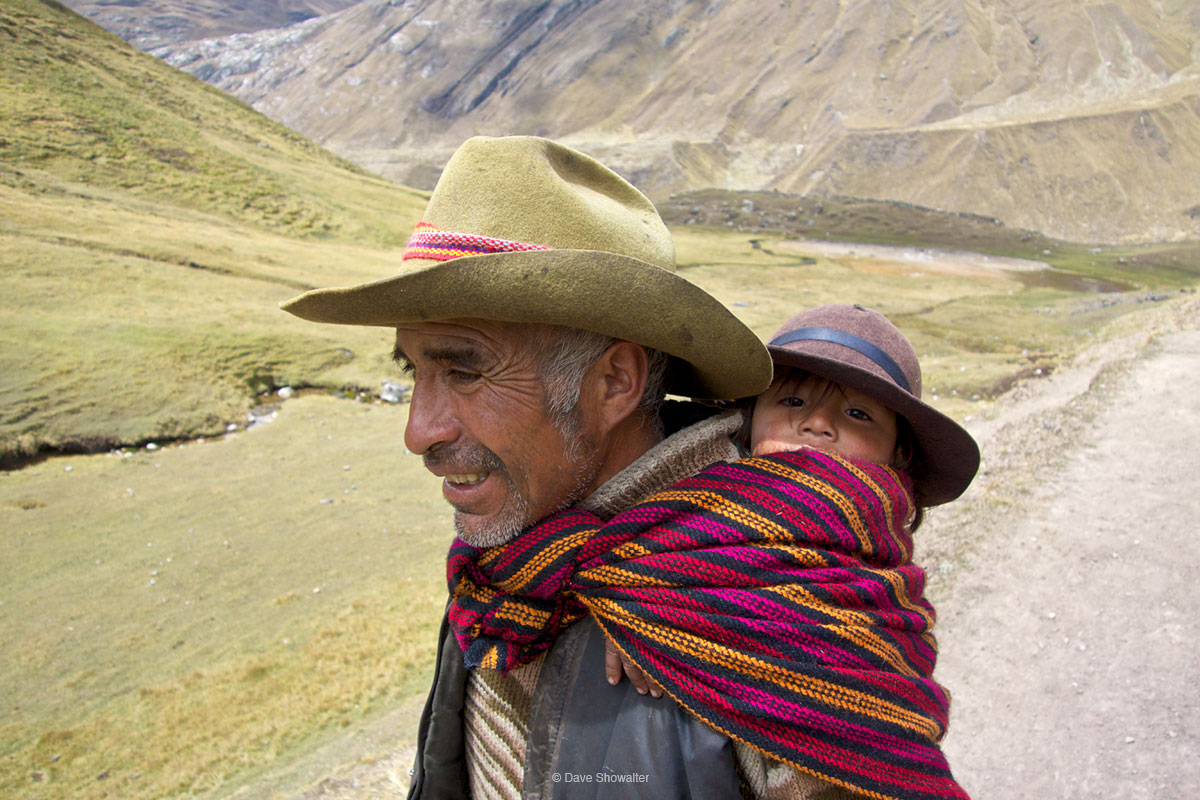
(792, 415)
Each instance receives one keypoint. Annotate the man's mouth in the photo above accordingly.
(467, 478)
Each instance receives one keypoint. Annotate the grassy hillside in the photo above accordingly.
(148, 226)
(82, 105)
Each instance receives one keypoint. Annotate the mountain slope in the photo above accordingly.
(1079, 119)
(84, 106)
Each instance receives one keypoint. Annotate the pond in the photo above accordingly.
(1067, 281)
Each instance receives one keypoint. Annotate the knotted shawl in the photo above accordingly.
(772, 597)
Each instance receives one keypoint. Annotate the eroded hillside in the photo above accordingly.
(157, 22)
(1081, 119)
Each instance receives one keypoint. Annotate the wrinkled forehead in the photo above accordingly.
(420, 339)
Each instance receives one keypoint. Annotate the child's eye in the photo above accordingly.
(792, 401)
(858, 413)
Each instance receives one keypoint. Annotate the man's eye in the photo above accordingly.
(462, 376)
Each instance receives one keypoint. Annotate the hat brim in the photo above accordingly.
(715, 355)
(947, 456)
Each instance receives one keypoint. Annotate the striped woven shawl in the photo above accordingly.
(772, 597)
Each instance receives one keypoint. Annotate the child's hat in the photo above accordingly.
(861, 349)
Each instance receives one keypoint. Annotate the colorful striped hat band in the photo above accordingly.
(855, 343)
(437, 245)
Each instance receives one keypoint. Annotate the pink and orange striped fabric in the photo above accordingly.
(773, 597)
(430, 242)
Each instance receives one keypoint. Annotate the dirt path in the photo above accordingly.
(1068, 620)
(1068, 615)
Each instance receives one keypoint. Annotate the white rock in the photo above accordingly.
(393, 392)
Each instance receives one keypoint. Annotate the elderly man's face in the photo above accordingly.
(478, 417)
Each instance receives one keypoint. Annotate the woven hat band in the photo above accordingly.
(429, 242)
(855, 343)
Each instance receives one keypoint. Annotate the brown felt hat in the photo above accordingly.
(861, 349)
(522, 229)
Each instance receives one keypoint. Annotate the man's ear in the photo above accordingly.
(617, 381)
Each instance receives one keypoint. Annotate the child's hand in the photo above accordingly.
(615, 661)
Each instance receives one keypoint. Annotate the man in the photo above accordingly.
(542, 321)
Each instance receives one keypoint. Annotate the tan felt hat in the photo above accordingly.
(862, 349)
(522, 229)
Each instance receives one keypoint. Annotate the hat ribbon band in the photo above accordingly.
(429, 242)
(855, 343)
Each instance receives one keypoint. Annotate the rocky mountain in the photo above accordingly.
(158, 22)
(1079, 118)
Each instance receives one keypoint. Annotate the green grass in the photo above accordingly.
(148, 323)
(188, 614)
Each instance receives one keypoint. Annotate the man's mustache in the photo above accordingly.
(463, 458)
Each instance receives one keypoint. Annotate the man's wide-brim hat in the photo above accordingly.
(522, 229)
(862, 349)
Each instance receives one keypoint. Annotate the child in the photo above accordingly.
(853, 357)
(773, 597)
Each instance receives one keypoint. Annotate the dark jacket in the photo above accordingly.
(587, 739)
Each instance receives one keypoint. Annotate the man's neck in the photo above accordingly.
(628, 442)
(680, 455)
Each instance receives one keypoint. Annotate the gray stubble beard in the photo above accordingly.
(513, 520)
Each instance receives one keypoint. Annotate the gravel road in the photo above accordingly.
(1068, 624)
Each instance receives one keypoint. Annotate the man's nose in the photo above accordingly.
(431, 420)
